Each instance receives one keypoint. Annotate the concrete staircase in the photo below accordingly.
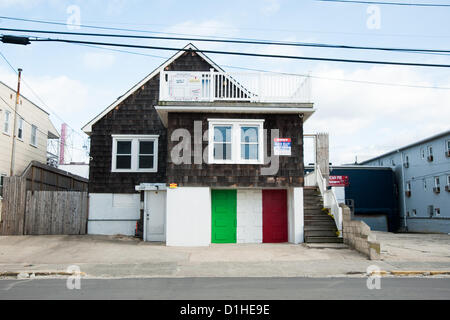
(319, 226)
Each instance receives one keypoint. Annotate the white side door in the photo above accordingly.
(155, 216)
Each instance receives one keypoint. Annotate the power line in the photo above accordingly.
(244, 53)
(38, 97)
(389, 3)
(37, 129)
(251, 42)
(284, 73)
(56, 22)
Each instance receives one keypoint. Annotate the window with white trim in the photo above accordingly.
(408, 186)
(135, 153)
(7, 122)
(2, 177)
(236, 141)
(20, 129)
(447, 147)
(437, 182)
(33, 136)
(422, 153)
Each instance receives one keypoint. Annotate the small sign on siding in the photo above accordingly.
(283, 147)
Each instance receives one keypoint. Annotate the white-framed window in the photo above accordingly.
(425, 186)
(392, 162)
(422, 153)
(437, 212)
(2, 177)
(20, 129)
(430, 153)
(236, 141)
(437, 182)
(135, 153)
(406, 164)
(414, 213)
(7, 123)
(448, 181)
(408, 186)
(447, 148)
(33, 140)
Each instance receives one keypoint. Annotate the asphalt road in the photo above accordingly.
(228, 289)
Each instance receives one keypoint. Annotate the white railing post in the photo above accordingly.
(212, 85)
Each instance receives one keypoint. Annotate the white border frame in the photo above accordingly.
(134, 153)
(236, 124)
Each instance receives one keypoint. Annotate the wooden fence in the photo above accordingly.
(44, 201)
(56, 213)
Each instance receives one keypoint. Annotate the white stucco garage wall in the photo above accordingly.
(296, 216)
(249, 216)
(112, 214)
(189, 217)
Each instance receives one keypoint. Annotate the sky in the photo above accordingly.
(363, 117)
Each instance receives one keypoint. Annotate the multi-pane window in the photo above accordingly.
(146, 154)
(135, 153)
(123, 155)
(236, 141)
(223, 143)
(6, 124)
(20, 129)
(249, 143)
(34, 135)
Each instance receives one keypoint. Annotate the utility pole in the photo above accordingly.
(13, 151)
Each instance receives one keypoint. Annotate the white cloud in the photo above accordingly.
(270, 7)
(98, 60)
(366, 120)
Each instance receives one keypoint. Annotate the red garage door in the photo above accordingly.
(275, 216)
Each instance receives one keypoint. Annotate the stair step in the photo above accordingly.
(320, 223)
(321, 228)
(321, 233)
(318, 217)
(324, 240)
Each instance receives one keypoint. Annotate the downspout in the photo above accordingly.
(403, 193)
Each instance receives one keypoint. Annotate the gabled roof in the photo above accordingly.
(88, 127)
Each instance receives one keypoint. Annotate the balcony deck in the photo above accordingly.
(234, 87)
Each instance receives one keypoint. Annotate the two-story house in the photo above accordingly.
(201, 156)
(33, 131)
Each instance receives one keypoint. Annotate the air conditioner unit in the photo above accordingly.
(437, 190)
(430, 158)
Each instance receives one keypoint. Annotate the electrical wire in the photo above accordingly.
(251, 42)
(388, 3)
(111, 44)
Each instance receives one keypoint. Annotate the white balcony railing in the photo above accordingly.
(222, 86)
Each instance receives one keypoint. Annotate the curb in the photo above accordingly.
(30, 274)
(410, 273)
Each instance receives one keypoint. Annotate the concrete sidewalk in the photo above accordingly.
(122, 257)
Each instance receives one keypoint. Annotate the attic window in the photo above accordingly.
(138, 153)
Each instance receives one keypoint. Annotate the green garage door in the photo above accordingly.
(224, 216)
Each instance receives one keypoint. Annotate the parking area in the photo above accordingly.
(411, 247)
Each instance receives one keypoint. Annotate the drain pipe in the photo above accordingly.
(403, 192)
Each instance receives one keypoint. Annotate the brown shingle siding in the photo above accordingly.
(290, 173)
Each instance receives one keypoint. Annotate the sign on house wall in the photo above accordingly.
(339, 181)
(283, 147)
(185, 86)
